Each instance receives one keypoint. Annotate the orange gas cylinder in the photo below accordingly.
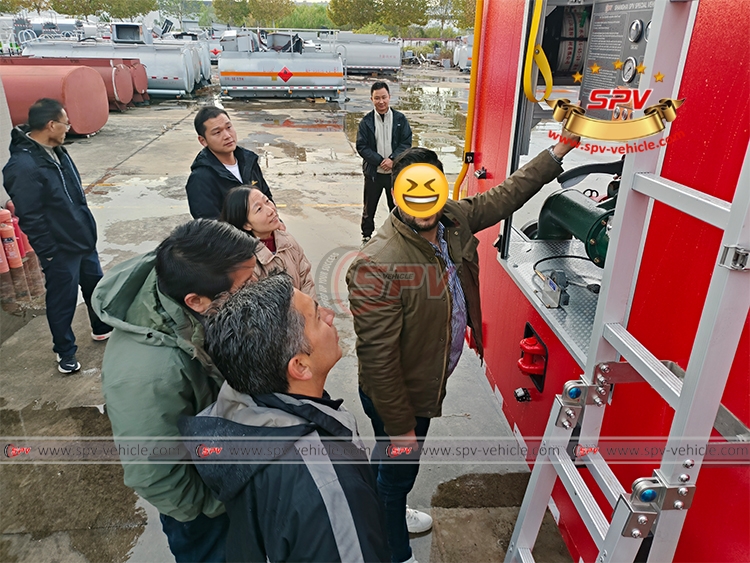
(19, 237)
(13, 256)
(10, 245)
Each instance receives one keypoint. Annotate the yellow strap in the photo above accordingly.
(535, 54)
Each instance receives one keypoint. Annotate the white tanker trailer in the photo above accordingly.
(174, 68)
(363, 53)
(279, 69)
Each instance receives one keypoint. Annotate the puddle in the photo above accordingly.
(434, 99)
(351, 123)
(291, 150)
(437, 117)
(308, 125)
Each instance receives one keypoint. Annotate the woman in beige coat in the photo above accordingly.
(248, 209)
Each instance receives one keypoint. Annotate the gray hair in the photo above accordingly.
(255, 333)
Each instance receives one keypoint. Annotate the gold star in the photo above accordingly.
(641, 68)
(618, 64)
(659, 77)
(577, 77)
(595, 68)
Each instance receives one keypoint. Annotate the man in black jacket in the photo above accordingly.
(220, 166)
(290, 466)
(383, 134)
(46, 191)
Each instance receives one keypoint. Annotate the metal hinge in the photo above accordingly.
(734, 258)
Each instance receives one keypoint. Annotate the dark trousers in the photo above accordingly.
(63, 274)
(396, 476)
(203, 540)
(373, 189)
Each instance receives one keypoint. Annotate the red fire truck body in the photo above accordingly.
(676, 267)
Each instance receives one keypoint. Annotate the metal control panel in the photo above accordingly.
(616, 48)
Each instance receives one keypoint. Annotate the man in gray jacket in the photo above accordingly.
(155, 370)
(285, 458)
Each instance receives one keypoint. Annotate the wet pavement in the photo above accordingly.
(134, 171)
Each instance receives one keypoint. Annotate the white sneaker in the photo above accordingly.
(101, 337)
(411, 559)
(417, 522)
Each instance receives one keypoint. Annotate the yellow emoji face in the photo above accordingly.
(421, 190)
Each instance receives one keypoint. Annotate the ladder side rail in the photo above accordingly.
(669, 40)
(672, 25)
(539, 490)
(722, 321)
(618, 547)
(669, 37)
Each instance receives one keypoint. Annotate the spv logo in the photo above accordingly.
(206, 451)
(12, 451)
(609, 99)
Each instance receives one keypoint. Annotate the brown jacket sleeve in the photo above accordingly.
(490, 207)
(378, 317)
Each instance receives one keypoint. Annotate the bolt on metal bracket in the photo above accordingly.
(568, 416)
(674, 497)
(616, 372)
(640, 521)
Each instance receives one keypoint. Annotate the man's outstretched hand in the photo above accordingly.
(568, 141)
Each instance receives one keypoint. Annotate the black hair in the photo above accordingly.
(235, 209)
(42, 112)
(203, 115)
(255, 333)
(415, 155)
(199, 256)
(379, 85)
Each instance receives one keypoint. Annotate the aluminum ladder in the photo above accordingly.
(667, 495)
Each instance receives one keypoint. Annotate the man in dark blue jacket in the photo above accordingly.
(46, 190)
(284, 458)
(220, 166)
(383, 134)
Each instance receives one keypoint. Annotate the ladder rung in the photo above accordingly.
(709, 209)
(667, 384)
(601, 472)
(581, 496)
(524, 555)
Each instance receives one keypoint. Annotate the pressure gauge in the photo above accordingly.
(648, 30)
(628, 70)
(635, 31)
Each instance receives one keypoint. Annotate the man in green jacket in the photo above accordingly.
(155, 369)
(413, 291)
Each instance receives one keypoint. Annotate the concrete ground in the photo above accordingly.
(135, 171)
